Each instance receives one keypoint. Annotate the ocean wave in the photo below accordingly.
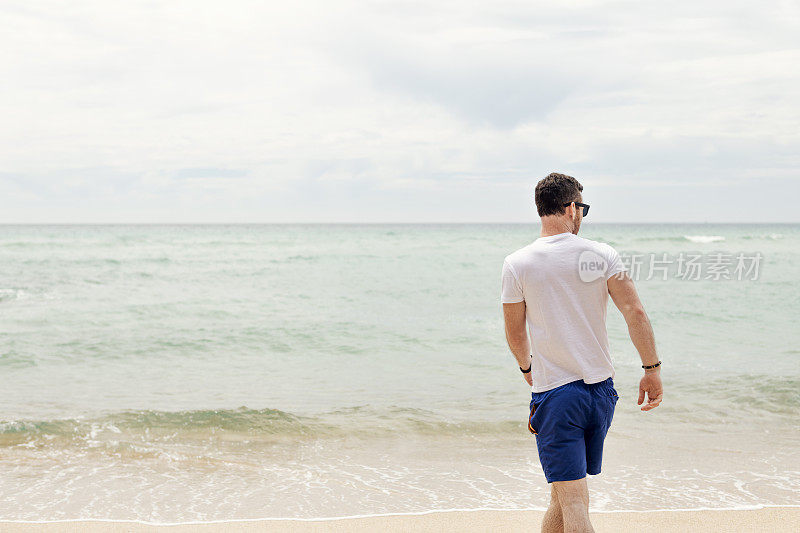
(127, 428)
(296, 259)
(770, 237)
(700, 239)
(761, 397)
(704, 239)
(658, 239)
(11, 294)
(13, 359)
(134, 429)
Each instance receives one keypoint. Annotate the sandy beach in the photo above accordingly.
(772, 519)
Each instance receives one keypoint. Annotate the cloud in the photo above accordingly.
(353, 111)
(209, 172)
(485, 89)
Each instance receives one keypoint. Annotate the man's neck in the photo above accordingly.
(551, 226)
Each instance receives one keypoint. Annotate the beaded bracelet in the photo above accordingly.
(651, 366)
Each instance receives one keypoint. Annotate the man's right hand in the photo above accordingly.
(650, 384)
(528, 378)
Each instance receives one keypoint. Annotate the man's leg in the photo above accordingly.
(553, 522)
(573, 497)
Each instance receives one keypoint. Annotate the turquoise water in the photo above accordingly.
(191, 372)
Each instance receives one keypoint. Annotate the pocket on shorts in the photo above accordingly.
(611, 390)
(535, 403)
(612, 393)
(530, 419)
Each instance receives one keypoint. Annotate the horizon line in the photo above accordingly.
(352, 223)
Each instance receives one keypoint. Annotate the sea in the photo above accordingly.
(178, 373)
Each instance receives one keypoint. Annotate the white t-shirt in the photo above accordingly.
(562, 280)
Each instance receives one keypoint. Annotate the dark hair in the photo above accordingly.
(554, 191)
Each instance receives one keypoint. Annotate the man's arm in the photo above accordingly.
(623, 292)
(517, 335)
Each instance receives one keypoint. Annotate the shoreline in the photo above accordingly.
(772, 518)
(753, 507)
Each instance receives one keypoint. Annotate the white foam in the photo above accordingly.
(704, 238)
(381, 515)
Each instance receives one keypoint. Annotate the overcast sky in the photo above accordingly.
(397, 111)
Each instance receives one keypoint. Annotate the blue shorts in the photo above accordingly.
(570, 423)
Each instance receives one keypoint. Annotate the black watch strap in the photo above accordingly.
(526, 371)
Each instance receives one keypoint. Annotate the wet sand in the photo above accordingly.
(768, 519)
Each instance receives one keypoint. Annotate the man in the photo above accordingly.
(559, 285)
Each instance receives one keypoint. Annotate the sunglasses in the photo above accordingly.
(584, 206)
